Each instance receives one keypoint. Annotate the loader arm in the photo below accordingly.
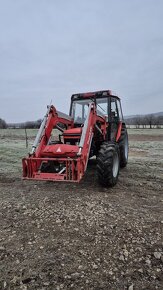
(62, 161)
(50, 121)
(87, 135)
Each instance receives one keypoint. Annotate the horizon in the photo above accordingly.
(125, 116)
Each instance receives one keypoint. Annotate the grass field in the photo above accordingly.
(13, 148)
(147, 143)
(82, 236)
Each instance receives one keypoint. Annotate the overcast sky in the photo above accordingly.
(50, 49)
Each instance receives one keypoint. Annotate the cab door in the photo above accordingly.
(115, 118)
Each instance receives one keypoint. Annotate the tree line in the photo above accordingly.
(150, 121)
(27, 125)
(30, 124)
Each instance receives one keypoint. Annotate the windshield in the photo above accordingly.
(80, 109)
(102, 106)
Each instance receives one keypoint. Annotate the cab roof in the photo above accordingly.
(97, 94)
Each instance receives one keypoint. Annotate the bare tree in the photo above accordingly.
(143, 122)
(158, 121)
(3, 124)
(150, 120)
(137, 122)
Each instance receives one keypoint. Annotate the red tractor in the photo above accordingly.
(94, 127)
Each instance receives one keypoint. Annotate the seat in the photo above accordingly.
(72, 135)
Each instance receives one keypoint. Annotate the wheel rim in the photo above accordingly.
(115, 165)
(126, 149)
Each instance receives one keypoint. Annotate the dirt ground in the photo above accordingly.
(83, 236)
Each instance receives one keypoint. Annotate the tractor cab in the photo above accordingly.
(80, 103)
(108, 108)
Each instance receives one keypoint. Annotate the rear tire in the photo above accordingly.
(123, 148)
(108, 164)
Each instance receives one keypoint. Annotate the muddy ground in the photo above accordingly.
(83, 236)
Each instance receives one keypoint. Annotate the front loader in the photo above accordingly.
(94, 127)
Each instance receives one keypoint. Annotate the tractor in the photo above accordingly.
(94, 128)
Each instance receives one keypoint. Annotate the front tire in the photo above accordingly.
(108, 163)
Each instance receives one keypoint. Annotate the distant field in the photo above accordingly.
(152, 132)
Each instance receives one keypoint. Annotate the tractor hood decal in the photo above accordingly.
(60, 149)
